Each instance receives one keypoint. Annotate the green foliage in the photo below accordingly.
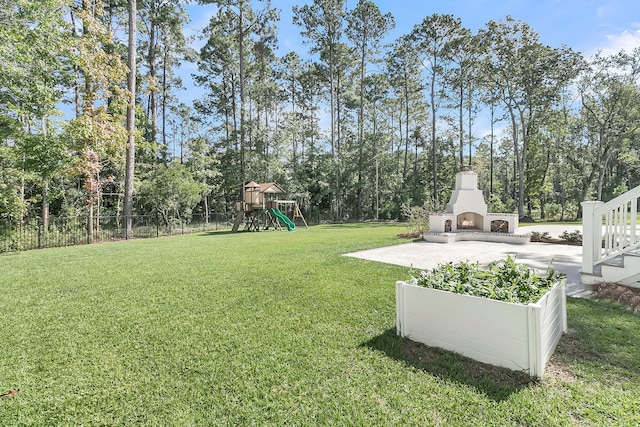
(503, 280)
(553, 210)
(495, 204)
(418, 216)
(571, 236)
(11, 205)
(537, 236)
(620, 189)
(33, 46)
(170, 190)
(44, 156)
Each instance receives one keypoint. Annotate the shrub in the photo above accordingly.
(574, 236)
(417, 217)
(537, 236)
(503, 280)
(552, 210)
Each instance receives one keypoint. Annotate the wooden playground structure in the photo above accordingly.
(260, 209)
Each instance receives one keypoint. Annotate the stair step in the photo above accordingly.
(590, 279)
(615, 262)
(621, 268)
(632, 281)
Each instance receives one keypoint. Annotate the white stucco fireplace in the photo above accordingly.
(466, 217)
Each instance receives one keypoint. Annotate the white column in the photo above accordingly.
(634, 217)
(591, 236)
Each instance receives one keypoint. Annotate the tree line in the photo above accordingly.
(353, 128)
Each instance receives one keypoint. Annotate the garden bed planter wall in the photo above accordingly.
(515, 336)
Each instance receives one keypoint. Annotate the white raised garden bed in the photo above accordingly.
(515, 336)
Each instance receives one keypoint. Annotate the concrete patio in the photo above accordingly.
(424, 255)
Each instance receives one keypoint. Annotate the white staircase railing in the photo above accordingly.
(609, 229)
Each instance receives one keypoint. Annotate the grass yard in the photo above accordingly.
(273, 328)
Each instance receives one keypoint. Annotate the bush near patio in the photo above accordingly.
(272, 329)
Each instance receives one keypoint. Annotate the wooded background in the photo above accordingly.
(400, 118)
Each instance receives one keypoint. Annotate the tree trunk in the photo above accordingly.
(294, 134)
(470, 123)
(518, 169)
(242, 106)
(131, 108)
(22, 191)
(406, 131)
(76, 70)
(45, 188)
(461, 123)
(542, 181)
(339, 190)
(360, 135)
(45, 205)
(332, 101)
(206, 209)
(164, 97)
(153, 107)
(90, 224)
(491, 151)
(434, 143)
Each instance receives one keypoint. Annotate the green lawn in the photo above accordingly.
(272, 328)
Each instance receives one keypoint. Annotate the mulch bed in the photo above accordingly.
(624, 295)
(411, 235)
(558, 241)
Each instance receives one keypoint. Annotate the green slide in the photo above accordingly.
(282, 217)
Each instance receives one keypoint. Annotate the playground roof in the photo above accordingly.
(270, 187)
(252, 184)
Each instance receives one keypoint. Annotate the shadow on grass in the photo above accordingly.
(601, 344)
(10, 253)
(495, 382)
(217, 233)
(344, 225)
(357, 224)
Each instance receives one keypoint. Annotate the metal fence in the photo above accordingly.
(73, 230)
(69, 231)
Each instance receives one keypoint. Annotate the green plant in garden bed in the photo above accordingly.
(537, 236)
(503, 280)
(573, 236)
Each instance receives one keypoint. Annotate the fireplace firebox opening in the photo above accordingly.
(469, 221)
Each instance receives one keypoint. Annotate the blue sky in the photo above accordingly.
(584, 25)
